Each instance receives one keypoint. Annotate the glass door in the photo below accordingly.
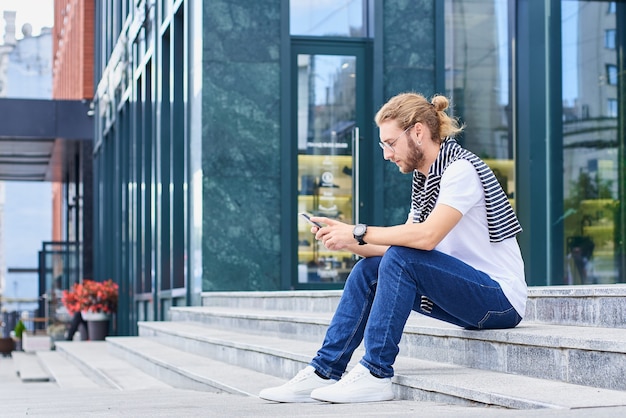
(328, 123)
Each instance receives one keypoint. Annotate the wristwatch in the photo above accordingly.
(358, 232)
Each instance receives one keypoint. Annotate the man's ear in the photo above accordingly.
(418, 129)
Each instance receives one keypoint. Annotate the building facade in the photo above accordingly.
(46, 138)
(217, 122)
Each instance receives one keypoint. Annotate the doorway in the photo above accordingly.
(330, 119)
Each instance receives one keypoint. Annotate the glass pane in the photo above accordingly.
(326, 122)
(477, 81)
(591, 142)
(328, 18)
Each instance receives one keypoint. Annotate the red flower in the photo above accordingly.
(92, 296)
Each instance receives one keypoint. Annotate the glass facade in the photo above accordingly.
(585, 229)
(477, 74)
(140, 158)
(202, 118)
(593, 141)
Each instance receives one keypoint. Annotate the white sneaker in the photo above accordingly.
(297, 389)
(357, 386)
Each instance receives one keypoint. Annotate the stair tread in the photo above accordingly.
(28, 368)
(484, 385)
(227, 377)
(614, 290)
(528, 332)
(64, 372)
(117, 373)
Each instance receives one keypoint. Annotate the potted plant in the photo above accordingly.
(17, 334)
(96, 301)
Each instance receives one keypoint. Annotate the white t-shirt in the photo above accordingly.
(469, 239)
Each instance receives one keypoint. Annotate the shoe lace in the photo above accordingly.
(302, 375)
(353, 376)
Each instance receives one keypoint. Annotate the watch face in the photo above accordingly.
(359, 230)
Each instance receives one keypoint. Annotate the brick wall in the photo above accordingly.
(73, 49)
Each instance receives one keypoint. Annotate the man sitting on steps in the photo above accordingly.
(455, 259)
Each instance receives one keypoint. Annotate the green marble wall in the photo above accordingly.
(241, 145)
(241, 138)
(408, 56)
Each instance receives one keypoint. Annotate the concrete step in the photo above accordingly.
(47, 400)
(589, 305)
(65, 373)
(306, 325)
(591, 356)
(299, 300)
(415, 379)
(28, 367)
(187, 370)
(107, 370)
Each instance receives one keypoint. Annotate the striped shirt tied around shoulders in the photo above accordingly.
(501, 219)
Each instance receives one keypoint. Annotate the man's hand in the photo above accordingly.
(335, 235)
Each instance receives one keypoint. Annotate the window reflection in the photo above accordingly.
(328, 17)
(477, 80)
(590, 141)
(326, 126)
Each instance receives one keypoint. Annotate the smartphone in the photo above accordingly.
(308, 219)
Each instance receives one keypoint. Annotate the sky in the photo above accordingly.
(39, 13)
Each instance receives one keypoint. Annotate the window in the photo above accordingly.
(611, 9)
(318, 18)
(592, 168)
(611, 74)
(611, 108)
(477, 81)
(609, 39)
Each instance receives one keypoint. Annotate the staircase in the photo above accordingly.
(569, 352)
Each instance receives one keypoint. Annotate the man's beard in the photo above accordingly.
(414, 160)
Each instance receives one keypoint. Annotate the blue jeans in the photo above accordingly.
(381, 292)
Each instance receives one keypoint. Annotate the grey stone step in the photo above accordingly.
(65, 373)
(306, 325)
(588, 305)
(300, 300)
(28, 367)
(415, 379)
(47, 400)
(590, 356)
(106, 369)
(186, 370)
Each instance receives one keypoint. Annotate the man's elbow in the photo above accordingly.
(427, 242)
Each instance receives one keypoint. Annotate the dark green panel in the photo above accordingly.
(241, 145)
(408, 52)
(178, 153)
(533, 194)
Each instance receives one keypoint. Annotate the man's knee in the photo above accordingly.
(397, 255)
(365, 269)
(405, 255)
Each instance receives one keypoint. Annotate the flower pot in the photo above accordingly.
(6, 346)
(97, 325)
(97, 330)
(95, 316)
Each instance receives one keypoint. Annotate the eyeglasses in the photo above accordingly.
(389, 145)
